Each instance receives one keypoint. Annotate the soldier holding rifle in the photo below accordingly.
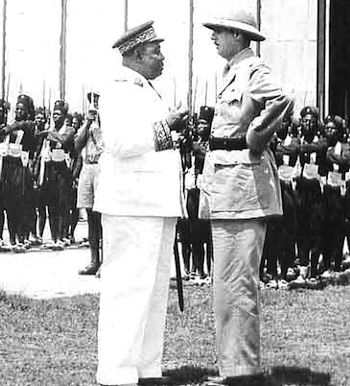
(140, 198)
(17, 146)
(3, 121)
(240, 189)
(89, 139)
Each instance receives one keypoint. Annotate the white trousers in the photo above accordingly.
(238, 247)
(133, 300)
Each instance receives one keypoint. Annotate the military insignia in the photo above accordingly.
(138, 82)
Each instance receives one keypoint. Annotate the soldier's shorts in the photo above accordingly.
(87, 185)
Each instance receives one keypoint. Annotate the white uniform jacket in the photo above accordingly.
(243, 184)
(135, 179)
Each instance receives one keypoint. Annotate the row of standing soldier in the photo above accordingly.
(305, 246)
(41, 160)
(40, 169)
(313, 159)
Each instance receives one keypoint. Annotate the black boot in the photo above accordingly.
(93, 267)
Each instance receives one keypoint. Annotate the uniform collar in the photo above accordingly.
(239, 57)
(126, 74)
(232, 65)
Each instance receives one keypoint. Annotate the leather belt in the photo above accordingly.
(226, 143)
(91, 159)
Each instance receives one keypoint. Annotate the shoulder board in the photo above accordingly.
(138, 82)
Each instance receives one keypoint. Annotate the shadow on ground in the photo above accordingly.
(189, 374)
(281, 376)
(299, 376)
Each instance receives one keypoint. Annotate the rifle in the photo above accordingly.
(44, 108)
(178, 275)
(3, 112)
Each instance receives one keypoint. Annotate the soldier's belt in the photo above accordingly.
(226, 143)
(15, 150)
(91, 159)
(58, 155)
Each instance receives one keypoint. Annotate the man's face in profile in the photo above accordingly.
(152, 60)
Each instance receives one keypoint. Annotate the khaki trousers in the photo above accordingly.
(238, 246)
(134, 293)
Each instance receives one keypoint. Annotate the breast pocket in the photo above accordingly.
(230, 106)
(240, 187)
(232, 96)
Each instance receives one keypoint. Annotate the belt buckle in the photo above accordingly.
(226, 145)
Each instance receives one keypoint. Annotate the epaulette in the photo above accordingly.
(138, 82)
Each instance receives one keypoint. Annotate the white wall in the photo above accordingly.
(291, 47)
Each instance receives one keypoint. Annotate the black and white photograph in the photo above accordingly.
(174, 193)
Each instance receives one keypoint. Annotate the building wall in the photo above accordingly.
(33, 33)
(291, 47)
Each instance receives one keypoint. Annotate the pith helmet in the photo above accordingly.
(238, 19)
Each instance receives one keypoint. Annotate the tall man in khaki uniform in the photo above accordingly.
(240, 190)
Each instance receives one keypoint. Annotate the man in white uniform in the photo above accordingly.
(140, 198)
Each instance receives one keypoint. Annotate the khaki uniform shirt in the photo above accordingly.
(243, 184)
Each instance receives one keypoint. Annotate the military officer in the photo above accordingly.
(140, 197)
(240, 189)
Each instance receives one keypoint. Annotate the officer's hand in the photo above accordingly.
(203, 128)
(91, 114)
(43, 133)
(177, 118)
(198, 148)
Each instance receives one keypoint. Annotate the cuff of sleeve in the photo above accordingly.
(162, 136)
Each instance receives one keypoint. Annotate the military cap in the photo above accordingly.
(4, 104)
(336, 119)
(61, 105)
(28, 102)
(136, 36)
(309, 110)
(236, 19)
(39, 110)
(95, 93)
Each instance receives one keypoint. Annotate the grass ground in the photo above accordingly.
(305, 338)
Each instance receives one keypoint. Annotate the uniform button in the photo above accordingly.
(219, 96)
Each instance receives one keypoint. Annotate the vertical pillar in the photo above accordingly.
(327, 57)
(63, 50)
(126, 14)
(258, 20)
(3, 60)
(321, 56)
(190, 59)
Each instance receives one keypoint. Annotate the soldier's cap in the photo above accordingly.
(4, 104)
(95, 93)
(39, 110)
(309, 110)
(137, 36)
(61, 105)
(26, 100)
(336, 119)
(236, 19)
